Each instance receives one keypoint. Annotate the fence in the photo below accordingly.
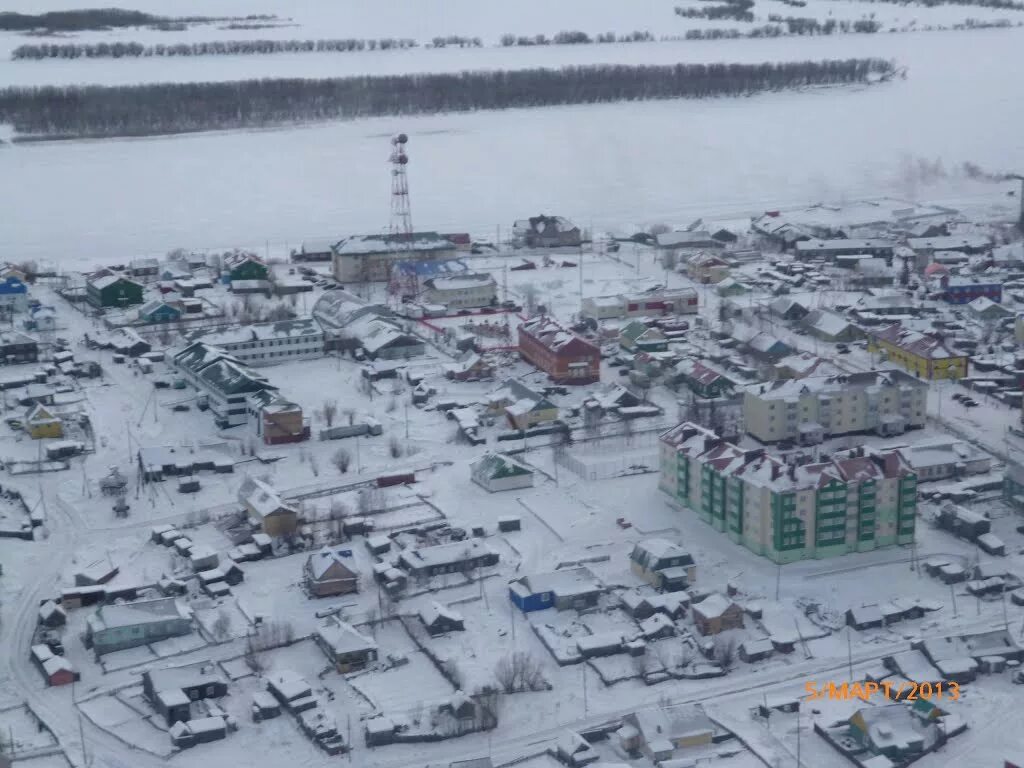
(607, 457)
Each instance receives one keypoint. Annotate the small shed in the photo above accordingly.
(52, 615)
(992, 544)
(264, 706)
(439, 619)
(865, 617)
(756, 650)
(203, 558)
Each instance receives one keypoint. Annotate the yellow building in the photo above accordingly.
(40, 423)
(924, 356)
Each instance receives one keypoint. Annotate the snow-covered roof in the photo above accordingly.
(261, 499)
(319, 563)
(563, 583)
(140, 612)
(843, 244)
(365, 245)
(917, 344)
(289, 684)
(285, 329)
(445, 554)
(435, 610)
(949, 243)
(343, 638)
(176, 678)
(713, 606)
(693, 239)
(461, 282)
(827, 322)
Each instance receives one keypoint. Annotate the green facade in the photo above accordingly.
(720, 501)
(120, 293)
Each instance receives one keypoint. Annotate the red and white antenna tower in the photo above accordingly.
(401, 215)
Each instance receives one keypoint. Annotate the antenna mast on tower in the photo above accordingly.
(400, 232)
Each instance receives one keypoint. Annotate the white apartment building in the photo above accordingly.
(810, 409)
(461, 291)
(268, 343)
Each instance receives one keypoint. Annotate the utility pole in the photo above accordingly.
(798, 763)
(586, 706)
(849, 652)
(952, 594)
(406, 421)
(778, 579)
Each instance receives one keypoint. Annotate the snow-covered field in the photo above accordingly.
(606, 166)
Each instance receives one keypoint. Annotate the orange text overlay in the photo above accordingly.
(896, 691)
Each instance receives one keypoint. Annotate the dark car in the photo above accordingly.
(181, 407)
(969, 402)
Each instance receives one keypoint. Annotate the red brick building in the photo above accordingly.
(562, 355)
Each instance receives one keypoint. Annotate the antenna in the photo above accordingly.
(400, 231)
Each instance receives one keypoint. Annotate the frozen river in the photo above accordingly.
(608, 166)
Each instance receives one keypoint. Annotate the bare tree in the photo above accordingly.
(341, 459)
(339, 509)
(669, 260)
(725, 651)
(254, 657)
(222, 625)
(640, 664)
(395, 447)
(520, 671)
(487, 706)
(530, 293)
(314, 466)
(453, 672)
(328, 411)
(350, 414)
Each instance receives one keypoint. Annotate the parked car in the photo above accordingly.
(181, 407)
(959, 396)
(969, 402)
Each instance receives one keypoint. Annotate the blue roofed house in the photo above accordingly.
(571, 588)
(13, 295)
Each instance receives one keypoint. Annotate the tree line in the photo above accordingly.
(76, 111)
(575, 37)
(801, 25)
(785, 26)
(214, 48)
(1000, 5)
(734, 10)
(102, 18)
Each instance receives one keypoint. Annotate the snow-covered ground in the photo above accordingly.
(605, 166)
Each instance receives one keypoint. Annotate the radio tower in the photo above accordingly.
(401, 217)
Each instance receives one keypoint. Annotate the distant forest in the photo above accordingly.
(575, 37)
(734, 10)
(1002, 5)
(215, 48)
(138, 110)
(102, 18)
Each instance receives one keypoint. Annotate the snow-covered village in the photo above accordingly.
(437, 393)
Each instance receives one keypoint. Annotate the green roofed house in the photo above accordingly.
(637, 337)
(106, 289)
(244, 266)
(498, 472)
